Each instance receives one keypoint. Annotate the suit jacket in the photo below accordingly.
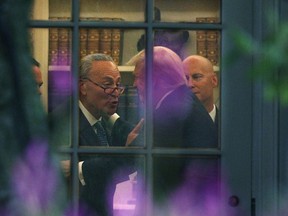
(216, 122)
(181, 121)
(101, 172)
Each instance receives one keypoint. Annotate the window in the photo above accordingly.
(64, 31)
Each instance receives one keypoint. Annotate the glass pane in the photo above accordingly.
(165, 11)
(93, 44)
(59, 60)
(183, 184)
(127, 10)
(204, 76)
(39, 47)
(110, 183)
(52, 49)
(120, 44)
(44, 10)
(187, 11)
(60, 10)
(129, 107)
(65, 165)
(208, 45)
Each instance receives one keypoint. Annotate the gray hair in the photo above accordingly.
(86, 63)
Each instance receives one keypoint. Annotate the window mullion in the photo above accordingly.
(75, 109)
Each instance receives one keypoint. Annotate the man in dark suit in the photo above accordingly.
(175, 108)
(179, 121)
(202, 80)
(99, 91)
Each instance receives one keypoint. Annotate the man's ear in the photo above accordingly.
(82, 87)
(215, 80)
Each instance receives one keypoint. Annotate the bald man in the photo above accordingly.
(202, 80)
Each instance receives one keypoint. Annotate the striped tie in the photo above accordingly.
(101, 134)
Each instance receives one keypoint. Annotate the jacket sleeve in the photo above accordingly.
(120, 132)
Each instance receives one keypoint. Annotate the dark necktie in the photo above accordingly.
(101, 134)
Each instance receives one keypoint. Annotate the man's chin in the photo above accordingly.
(111, 111)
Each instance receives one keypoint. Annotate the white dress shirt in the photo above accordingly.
(213, 113)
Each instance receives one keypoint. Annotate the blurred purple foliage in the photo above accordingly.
(35, 179)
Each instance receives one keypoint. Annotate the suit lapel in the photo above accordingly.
(87, 136)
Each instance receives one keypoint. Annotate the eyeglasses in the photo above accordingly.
(107, 90)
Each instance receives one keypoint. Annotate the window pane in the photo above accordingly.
(65, 165)
(170, 122)
(186, 183)
(59, 60)
(179, 118)
(187, 11)
(110, 41)
(110, 182)
(166, 11)
(39, 46)
(44, 10)
(51, 48)
(127, 10)
(120, 44)
(60, 9)
(188, 42)
(40, 10)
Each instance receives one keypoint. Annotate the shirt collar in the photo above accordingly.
(213, 113)
(91, 119)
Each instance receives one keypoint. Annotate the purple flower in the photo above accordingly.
(35, 179)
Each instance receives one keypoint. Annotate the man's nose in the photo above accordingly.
(117, 92)
(189, 83)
